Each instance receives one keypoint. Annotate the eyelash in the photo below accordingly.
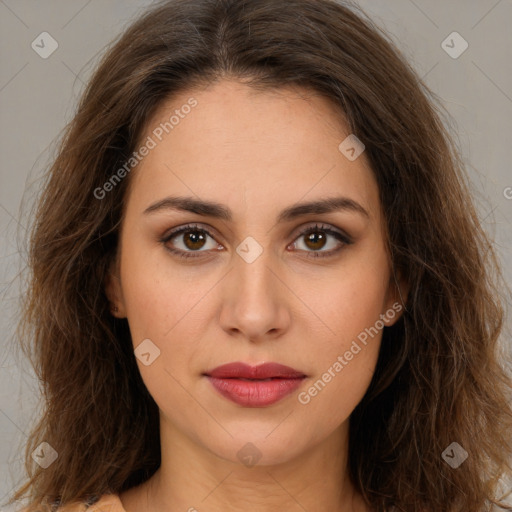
(311, 229)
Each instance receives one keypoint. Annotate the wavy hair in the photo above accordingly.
(439, 378)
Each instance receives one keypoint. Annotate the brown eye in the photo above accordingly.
(188, 240)
(314, 239)
(193, 239)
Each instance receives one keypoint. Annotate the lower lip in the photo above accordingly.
(255, 393)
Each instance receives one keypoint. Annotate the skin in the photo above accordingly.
(256, 153)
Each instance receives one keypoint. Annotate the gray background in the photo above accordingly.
(38, 97)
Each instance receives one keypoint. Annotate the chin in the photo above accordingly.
(255, 447)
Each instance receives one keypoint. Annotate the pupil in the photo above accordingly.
(315, 238)
(195, 237)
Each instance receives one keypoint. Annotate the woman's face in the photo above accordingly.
(257, 287)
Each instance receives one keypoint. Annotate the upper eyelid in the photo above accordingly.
(180, 229)
(208, 229)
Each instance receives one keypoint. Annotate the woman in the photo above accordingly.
(259, 281)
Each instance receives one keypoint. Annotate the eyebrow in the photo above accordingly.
(220, 211)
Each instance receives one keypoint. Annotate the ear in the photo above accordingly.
(396, 299)
(114, 290)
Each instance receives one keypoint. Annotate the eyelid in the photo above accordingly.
(342, 236)
(183, 229)
(320, 226)
(209, 230)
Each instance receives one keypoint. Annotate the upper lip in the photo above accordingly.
(262, 371)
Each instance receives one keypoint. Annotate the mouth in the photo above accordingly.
(255, 386)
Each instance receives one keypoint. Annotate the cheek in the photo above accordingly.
(344, 368)
(332, 395)
(169, 307)
(349, 305)
(349, 299)
(158, 296)
(163, 308)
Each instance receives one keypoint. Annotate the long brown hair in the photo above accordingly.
(438, 378)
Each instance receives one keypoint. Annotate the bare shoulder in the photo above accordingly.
(105, 503)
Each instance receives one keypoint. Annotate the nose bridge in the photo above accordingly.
(254, 301)
(255, 278)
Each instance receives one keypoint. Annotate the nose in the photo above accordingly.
(255, 300)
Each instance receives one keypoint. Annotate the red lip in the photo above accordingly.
(262, 371)
(255, 386)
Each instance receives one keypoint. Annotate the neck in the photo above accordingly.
(194, 479)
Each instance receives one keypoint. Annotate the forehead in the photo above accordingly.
(264, 148)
